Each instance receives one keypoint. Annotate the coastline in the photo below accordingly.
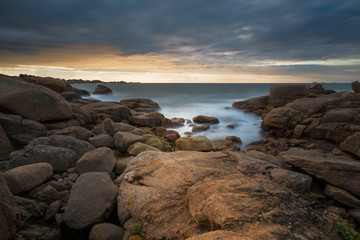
(301, 182)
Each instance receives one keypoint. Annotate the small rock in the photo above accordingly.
(205, 119)
(73, 177)
(59, 219)
(106, 231)
(355, 213)
(102, 89)
(52, 209)
(121, 165)
(25, 178)
(200, 128)
(123, 140)
(138, 147)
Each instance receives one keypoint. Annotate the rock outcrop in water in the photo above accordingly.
(167, 186)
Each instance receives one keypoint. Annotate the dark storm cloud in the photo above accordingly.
(250, 30)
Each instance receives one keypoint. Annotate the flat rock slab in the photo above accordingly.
(339, 172)
(92, 200)
(183, 194)
(25, 178)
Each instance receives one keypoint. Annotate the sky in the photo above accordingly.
(225, 41)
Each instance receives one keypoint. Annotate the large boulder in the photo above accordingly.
(205, 119)
(8, 216)
(32, 101)
(70, 96)
(280, 95)
(197, 143)
(92, 200)
(109, 127)
(60, 151)
(25, 178)
(123, 140)
(169, 123)
(98, 160)
(54, 84)
(216, 192)
(114, 110)
(6, 147)
(102, 140)
(339, 172)
(341, 196)
(355, 86)
(282, 121)
(102, 89)
(257, 105)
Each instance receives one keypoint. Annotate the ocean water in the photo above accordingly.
(190, 100)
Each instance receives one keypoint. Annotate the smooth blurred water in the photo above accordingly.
(190, 100)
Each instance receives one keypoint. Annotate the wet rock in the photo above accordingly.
(233, 139)
(106, 231)
(70, 96)
(171, 135)
(102, 140)
(339, 172)
(6, 147)
(32, 101)
(138, 147)
(256, 105)
(102, 89)
(123, 140)
(341, 196)
(25, 178)
(214, 195)
(135, 103)
(197, 143)
(226, 146)
(98, 160)
(282, 94)
(168, 123)
(76, 132)
(200, 128)
(179, 120)
(149, 120)
(205, 119)
(91, 201)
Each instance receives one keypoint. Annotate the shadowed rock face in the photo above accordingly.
(32, 101)
(283, 94)
(184, 194)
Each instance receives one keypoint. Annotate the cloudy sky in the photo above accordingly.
(182, 41)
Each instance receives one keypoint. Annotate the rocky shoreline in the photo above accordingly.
(76, 168)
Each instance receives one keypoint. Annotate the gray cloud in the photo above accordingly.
(252, 30)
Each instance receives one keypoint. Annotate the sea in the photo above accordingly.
(187, 100)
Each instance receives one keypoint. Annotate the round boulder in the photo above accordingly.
(102, 89)
(197, 143)
(99, 160)
(92, 200)
(25, 178)
(138, 147)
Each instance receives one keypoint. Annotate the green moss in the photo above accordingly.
(136, 229)
(186, 202)
(346, 231)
